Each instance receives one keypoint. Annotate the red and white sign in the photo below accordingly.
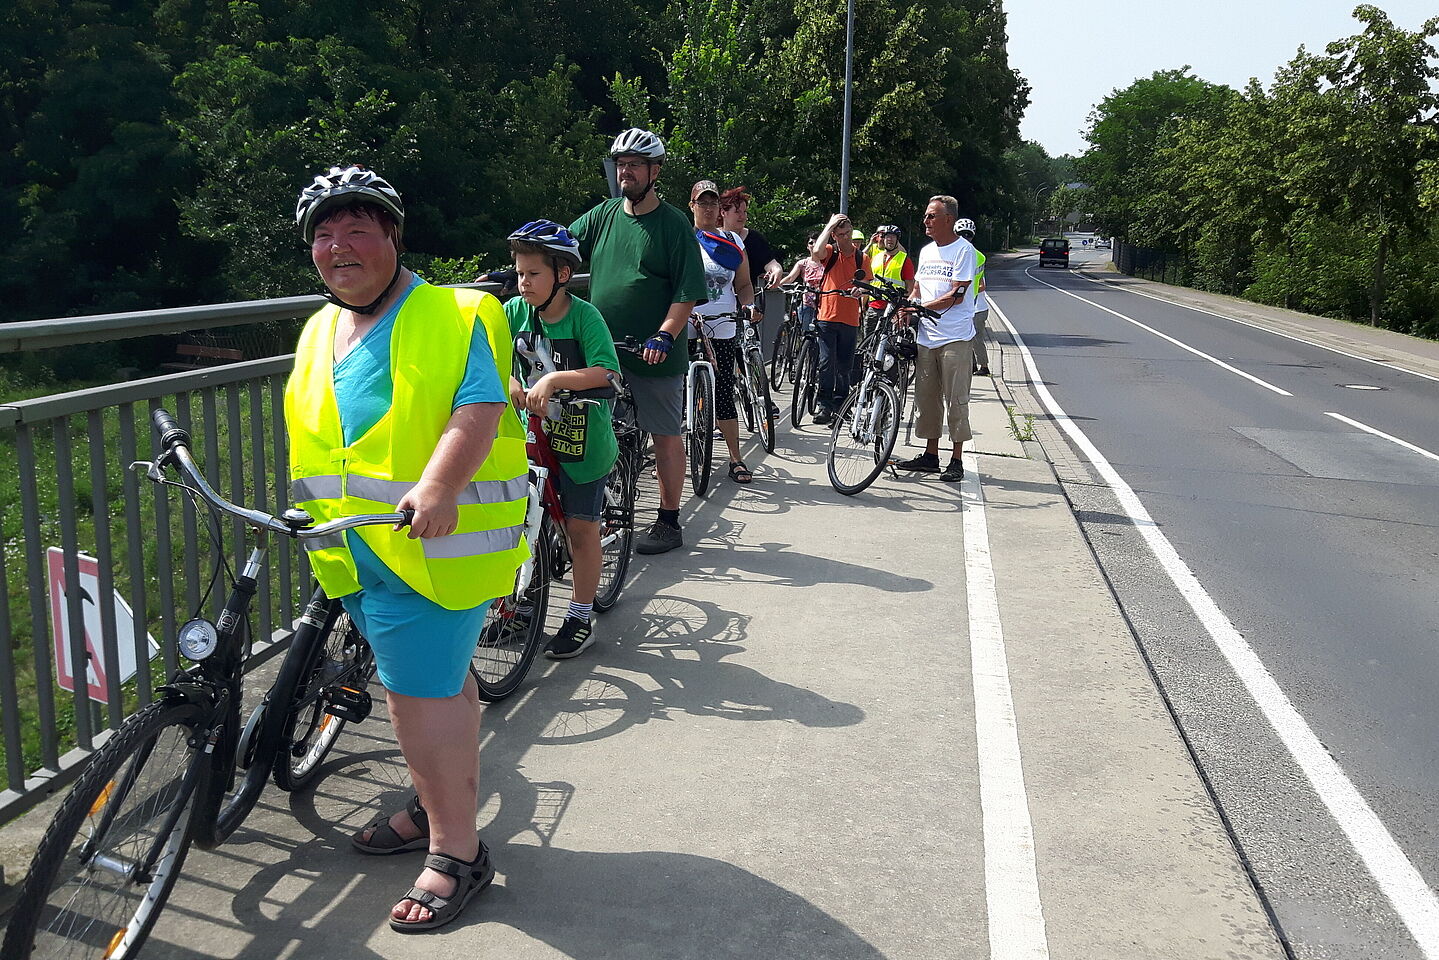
(97, 670)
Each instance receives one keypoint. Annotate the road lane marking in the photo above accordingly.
(1380, 433)
(1164, 336)
(1011, 879)
(1386, 364)
(1412, 899)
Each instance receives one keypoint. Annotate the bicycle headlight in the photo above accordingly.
(197, 639)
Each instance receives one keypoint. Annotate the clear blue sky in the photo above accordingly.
(1075, 52)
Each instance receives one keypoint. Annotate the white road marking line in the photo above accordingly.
(1380, 433)
(1164, 336)
(1413, 900)
(1386, 364)
(1011, 879)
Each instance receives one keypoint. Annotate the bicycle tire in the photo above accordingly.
(763, 402)
(514, 628)
(621, 490)
(744, 395)
(150, 761)
(341, 655)
(700, 438)
(868, 451)
(805, 387)
(779, 354)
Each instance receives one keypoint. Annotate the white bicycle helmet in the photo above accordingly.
(635, 141)
(342, 186)
(963, 224)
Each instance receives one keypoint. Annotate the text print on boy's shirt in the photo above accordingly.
(567, 438)
(938, 270)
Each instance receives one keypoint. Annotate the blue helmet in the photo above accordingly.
(550, 235)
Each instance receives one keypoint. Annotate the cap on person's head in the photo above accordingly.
(858, 234)
(703, 187)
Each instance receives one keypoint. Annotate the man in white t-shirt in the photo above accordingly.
(943, 282)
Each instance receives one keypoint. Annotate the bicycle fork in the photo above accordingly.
(691, 379)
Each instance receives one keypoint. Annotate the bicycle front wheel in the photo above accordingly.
(514, 628)
(701, 435)
(863, 436)
(106, 865)
(617, 524)
(779, 360)
(342, 659)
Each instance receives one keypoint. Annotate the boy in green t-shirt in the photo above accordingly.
(584, 441)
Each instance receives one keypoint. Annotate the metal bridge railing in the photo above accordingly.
(143, 562)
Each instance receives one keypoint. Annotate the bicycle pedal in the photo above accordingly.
(348, 703)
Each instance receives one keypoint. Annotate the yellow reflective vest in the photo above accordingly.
(894, 270)
(428, 352)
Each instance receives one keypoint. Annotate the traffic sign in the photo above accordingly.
(97, 670)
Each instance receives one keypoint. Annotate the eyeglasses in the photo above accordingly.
(631, 164)
(931, 216)
(705, 203)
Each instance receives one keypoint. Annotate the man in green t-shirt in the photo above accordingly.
(583, 441)
(646, 277)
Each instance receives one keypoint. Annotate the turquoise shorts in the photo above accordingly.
(421, 648)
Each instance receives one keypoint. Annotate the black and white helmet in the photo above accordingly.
(553, 237)
(963, 225)
(635, 141)
(343, 186)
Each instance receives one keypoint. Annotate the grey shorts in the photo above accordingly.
(659, 403)
(582, 501)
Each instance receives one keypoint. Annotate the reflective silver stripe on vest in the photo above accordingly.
(459, 545)
(324, 543)
(315, 488)
(476, 492)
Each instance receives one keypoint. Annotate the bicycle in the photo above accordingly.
(513, 633)
(867, 425)
(184, 768)
(699, 425)
(785, 349)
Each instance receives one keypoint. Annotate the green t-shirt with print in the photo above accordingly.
(639, 266)
(584, 441)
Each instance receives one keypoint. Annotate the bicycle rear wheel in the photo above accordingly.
(342, 663)
(106, 865)
(617, 525)
(763, 403)
(700, 438)
(806, 373)
(863, 436)
(514, 627)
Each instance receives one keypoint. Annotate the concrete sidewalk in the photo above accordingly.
(772, 753)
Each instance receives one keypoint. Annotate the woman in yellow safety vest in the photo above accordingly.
(398, 401)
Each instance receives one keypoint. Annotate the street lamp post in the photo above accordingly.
(1037, 195)
(848, 104)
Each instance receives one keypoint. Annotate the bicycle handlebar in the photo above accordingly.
(892, 295)
(176, 443)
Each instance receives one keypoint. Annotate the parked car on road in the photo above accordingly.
(1102, 244)
(1054, 250)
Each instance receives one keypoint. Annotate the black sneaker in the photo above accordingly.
(925, 462)
(953, 472)
(823, 418)
(983, 371)
(661, 537)
(570, 639)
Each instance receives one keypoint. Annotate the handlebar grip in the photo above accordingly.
(171, 433)
(409, 517)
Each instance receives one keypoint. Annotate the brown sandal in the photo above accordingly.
(384, 840)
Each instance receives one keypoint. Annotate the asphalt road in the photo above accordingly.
(1317, 538)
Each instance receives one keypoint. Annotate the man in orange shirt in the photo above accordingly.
(836, 252)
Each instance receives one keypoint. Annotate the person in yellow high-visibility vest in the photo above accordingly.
(888, 261)
(397, 402)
